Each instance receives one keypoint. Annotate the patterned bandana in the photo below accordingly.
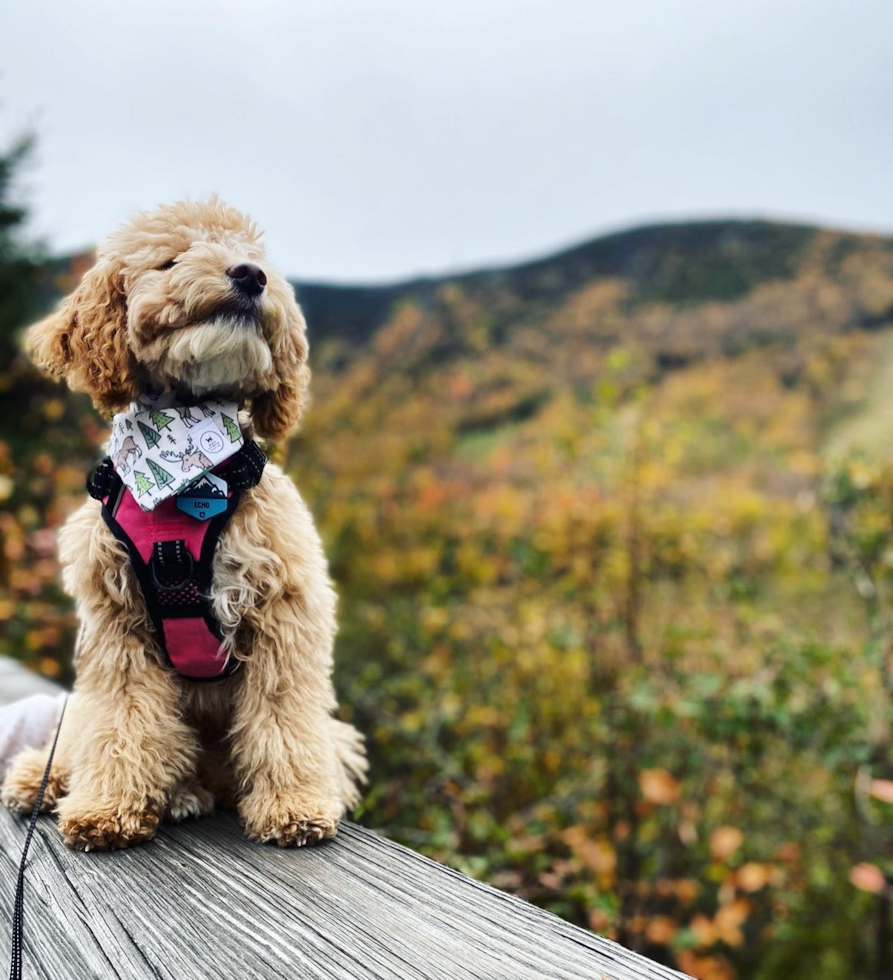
(160, 447)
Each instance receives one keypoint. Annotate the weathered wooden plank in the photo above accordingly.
(200, 901)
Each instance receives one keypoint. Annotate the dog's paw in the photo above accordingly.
(290, 822)
(105, 826)
(187, 801)
(22, 783)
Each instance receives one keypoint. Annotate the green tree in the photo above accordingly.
(20, 261)
(149, 434)
(162, 477)
(232, 429)
(143, 483)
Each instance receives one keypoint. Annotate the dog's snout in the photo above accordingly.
(248, 278)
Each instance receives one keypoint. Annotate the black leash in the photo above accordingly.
(15, 961)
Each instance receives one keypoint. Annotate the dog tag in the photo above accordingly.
(205, 498)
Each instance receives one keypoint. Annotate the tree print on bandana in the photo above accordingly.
(149, 434)
(182, 443)
(143, 483)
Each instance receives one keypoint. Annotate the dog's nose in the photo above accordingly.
(248, 278)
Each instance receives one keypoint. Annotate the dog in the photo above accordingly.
(182, 300)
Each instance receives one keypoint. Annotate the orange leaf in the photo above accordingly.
(881, 789)
(868, 877)
(658, 786)
(752, 876)
(724, 841)
(660, 930)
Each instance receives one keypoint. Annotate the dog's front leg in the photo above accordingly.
(282, 740)
(133, 746)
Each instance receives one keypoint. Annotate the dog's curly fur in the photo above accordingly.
(140, 743)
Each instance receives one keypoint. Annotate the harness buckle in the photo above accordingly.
(101, 479)
(171, 555)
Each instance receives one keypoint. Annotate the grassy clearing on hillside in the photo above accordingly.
(868, 426)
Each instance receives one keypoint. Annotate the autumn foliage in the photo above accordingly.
(614, 585)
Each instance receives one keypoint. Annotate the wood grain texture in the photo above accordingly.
(201, 902)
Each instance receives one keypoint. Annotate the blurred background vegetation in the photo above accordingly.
(612, 534)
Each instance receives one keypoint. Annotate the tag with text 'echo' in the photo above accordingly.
(205, 498)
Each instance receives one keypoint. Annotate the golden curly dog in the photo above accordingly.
(139, 743)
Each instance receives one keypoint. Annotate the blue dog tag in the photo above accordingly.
(205, 498)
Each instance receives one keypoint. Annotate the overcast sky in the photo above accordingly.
(374, 140)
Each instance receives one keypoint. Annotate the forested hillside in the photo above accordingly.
(612, 534)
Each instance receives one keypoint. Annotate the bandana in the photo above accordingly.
(160, 447)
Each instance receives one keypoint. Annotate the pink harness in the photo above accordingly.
(172, 554)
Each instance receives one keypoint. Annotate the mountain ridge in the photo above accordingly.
(679, 263)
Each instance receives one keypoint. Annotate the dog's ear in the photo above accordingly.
(85, 340)
(276, 412)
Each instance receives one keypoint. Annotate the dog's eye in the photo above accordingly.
(167, 265)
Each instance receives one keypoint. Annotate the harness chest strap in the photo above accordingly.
(172, 555)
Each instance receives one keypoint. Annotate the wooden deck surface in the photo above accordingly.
(201, 902)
